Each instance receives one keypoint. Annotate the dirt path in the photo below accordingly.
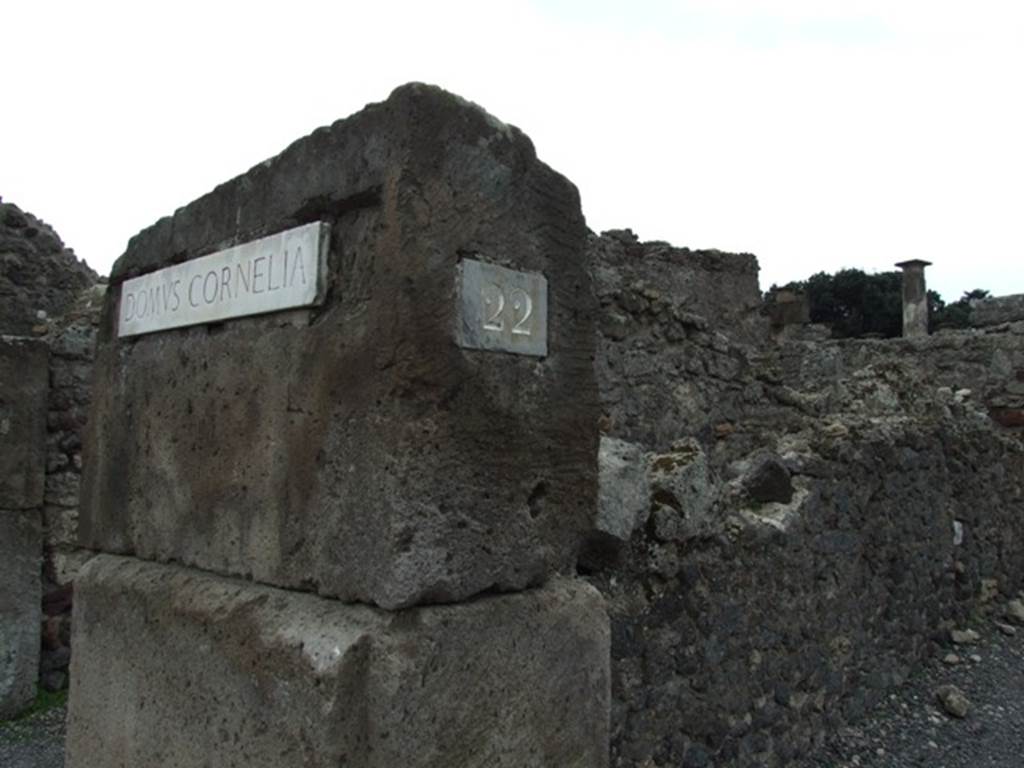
(34, 742)
(913, 729)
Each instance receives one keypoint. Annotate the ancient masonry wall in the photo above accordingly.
(47, 304)
(984, 365)
(71, 342)
(785, 530)
(23, 373)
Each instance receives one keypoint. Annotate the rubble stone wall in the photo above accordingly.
(39, 276)
(988, 362)
(997, 310)
(818, 517)
(49, 300)
(72, 343)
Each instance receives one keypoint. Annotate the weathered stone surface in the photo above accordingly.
(996, 310)
(964, 636)
(665, 369)
(768, 481)
(682, 491)
(745, 639)
(1015, 611)
(623, 497)
(21, 543)
(355, 449)
(24, 380)
(39, 277)
(177, 667)
(953, 701)
(71, 339)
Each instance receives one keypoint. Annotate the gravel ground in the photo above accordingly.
(913, 729)
(910, 729)
(34, 742)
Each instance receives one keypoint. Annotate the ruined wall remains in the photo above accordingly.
(817, 517)
(985, 365)
(671, 359)
(71, 339)
(48, 305)
(23, 380)
(39, 277)
(997, 310)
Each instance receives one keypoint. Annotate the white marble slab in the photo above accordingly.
(277, 272)
(501, 309)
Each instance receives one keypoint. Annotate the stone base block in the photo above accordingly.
(174, 666)
(21, 546)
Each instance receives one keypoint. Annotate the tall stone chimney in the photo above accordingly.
(915, 298)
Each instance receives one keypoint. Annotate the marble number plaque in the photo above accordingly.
(501, 309)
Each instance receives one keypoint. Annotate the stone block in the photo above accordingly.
(682, 491)
(248, 675)
(355, 449)
(24, 383)
(21, 545)
(624, 494)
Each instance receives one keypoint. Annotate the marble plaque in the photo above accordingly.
(501, 309)
(277, 272)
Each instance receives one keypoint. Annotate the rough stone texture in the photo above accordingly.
(39, 277)
(20, 548)
(46, 291)
(682, 491)
(985, 367)
(953, 701)
(623, 495)
(799, 557)
(997, 310)
(23, 389)
(665, 368)
(638, 280)
(354, 449)
(177, 667)
(71, 339)
(71, 345)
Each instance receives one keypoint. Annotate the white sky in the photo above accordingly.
(817, 134)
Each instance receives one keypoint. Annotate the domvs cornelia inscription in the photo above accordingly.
(266, 275)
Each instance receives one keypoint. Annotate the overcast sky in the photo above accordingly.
(816, 134)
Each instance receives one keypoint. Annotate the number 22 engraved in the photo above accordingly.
(494, 308)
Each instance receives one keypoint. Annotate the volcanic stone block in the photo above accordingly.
(355, 449)
(248, 675)
(24, 382)
(21, 544)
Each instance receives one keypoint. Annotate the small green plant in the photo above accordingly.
(45, 701)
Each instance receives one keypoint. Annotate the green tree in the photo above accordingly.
(957, 314)
(854, 303)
